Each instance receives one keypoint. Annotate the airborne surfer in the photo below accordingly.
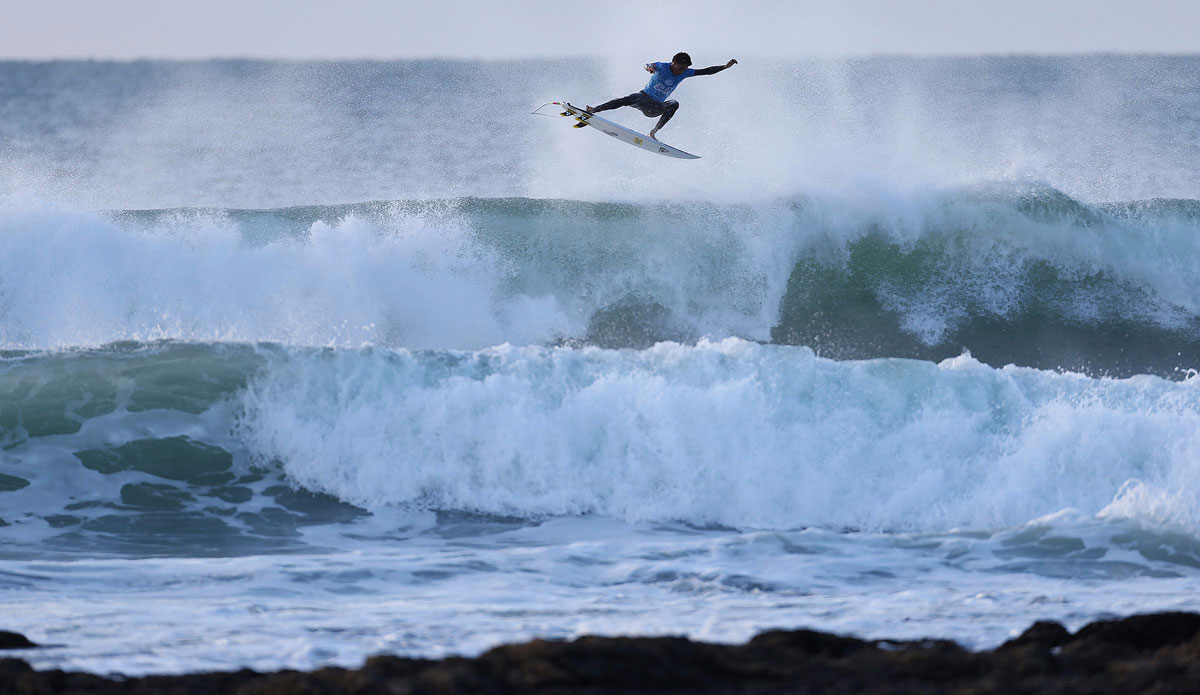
(664, 78)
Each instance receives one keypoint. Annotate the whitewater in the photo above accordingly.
(302, 362)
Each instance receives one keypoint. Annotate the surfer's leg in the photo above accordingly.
(669, 109)
(614, 104)
(649, 106)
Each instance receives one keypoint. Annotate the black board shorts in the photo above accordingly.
(641, 101)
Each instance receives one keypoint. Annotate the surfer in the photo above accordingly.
(664, 78)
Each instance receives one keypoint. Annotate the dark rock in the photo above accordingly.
(1144, 631)
(1043, 633)
(1142, 654)
(10, 669)
(1025, 662)
(809, 642)
(13, 640)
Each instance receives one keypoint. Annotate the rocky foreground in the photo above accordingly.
(1158, 653)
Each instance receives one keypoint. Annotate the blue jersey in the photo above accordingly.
(663, 81)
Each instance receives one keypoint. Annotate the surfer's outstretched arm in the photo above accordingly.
(717, 68)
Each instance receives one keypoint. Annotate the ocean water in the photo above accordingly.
(305, 362)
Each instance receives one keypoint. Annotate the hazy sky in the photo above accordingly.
(711, 31)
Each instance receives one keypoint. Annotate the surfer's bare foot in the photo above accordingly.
(590, 109)
(651, 134)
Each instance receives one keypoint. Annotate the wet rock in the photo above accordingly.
(13, 640)
(809, 642)
(1144, 631)
(1043, 633)
(1148, 653)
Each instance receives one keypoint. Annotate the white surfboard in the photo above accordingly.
(620, 132)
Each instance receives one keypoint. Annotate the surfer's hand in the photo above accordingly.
(731, 63)
(649, 68)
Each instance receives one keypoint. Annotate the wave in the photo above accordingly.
(1013, 273)
(726, 433)
(1027, 276)
(238, 446)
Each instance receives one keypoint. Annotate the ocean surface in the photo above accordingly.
(306, 362)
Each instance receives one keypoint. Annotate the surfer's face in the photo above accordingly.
(678, 68)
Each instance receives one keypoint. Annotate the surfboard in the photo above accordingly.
(620, 132)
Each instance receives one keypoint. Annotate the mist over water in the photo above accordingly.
(262, 134)
(910, 351)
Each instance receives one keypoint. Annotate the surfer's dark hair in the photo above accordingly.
(682, 58)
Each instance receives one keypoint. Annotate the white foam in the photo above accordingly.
(730, 433)
(426, 596)
(72, 279)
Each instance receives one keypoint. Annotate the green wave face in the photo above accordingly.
(130, 449)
